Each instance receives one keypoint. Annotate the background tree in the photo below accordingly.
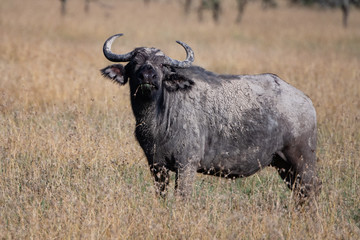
(213, 5)
(63, 7)
(344, 5)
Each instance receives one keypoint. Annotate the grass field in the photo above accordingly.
(70, 167)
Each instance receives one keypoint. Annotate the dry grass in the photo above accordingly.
(69, 164)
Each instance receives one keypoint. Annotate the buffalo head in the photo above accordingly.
(149, 70)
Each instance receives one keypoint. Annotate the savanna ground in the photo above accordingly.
(70, 166)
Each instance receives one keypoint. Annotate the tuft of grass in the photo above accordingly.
(70, 166)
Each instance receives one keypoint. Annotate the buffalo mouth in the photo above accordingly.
(147, 86)
(145, 89)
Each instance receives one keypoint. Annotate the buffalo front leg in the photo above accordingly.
(185, 176)
(161, 177)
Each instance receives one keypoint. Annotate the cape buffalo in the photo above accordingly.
(191, 120)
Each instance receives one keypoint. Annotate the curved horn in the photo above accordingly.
(112, 56)
(182, 64)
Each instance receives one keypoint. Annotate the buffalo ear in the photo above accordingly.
(115, 72)
(176, 82)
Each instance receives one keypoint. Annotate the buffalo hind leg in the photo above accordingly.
(298, 171)
(303, 161)
(161, 176)
(284, 169)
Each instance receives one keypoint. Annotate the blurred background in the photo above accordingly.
(70, 166)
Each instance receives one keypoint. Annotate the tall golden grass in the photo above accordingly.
(70, 167)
